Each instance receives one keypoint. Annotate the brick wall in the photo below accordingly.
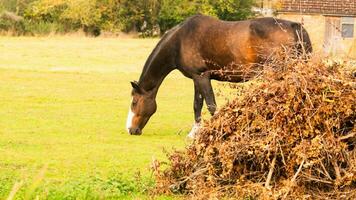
(330, 7)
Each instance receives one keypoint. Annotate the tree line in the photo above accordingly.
(146, 17)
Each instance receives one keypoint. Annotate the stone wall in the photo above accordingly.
(316, 25)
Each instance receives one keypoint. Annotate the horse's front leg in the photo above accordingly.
(204, 85)
(202, 90)
(198, 105)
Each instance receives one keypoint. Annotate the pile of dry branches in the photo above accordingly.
(292, 135)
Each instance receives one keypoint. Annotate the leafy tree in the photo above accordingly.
(110, 18)
(83, 12)
(232, 10)
(148, 17)
(46, 10)
(140, 16)
(175, 11)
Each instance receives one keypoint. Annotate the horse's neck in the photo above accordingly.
(160, 63)
(157, 67)
(152, 79)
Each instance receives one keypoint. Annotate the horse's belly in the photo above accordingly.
(228, 77)
(236, 72)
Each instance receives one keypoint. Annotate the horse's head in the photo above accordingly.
(143, 106)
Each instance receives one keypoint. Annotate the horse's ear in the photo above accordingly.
(136, 87)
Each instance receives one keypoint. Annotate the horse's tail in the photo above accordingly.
(303, 42)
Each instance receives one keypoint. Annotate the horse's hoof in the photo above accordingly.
(191, 136)
(193, 133)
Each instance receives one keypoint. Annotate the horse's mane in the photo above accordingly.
(165, 38)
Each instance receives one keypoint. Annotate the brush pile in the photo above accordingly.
(291, 135)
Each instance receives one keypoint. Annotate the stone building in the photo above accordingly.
(330, 23)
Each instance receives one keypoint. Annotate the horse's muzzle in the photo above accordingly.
(135, 131)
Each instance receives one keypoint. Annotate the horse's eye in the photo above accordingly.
(134, 103)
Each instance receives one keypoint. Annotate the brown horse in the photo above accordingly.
(199, 47)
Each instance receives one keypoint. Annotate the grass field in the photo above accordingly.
(63, 107)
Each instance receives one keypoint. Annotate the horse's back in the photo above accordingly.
(206, 43)
(271, 32)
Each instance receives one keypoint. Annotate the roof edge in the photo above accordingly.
(316, 13)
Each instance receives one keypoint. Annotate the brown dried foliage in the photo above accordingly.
(290, 136)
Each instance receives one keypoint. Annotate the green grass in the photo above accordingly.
(63, 104)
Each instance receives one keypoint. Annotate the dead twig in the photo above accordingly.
(270, 173)
(337, 171)
(293, 179)
(347, 136)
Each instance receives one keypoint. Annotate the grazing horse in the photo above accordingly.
(202, 45)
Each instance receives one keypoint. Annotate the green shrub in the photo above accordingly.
(10, 22)
(9, 5)
(40, 28)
